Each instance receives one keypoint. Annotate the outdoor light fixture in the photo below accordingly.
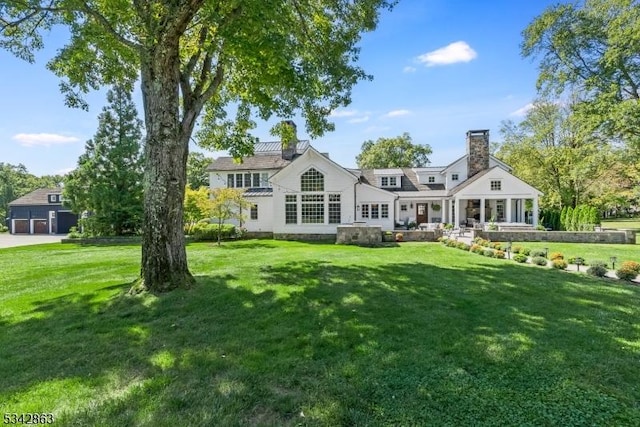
(579, 261)
(509, 249)
(613, 260)
(546, 253)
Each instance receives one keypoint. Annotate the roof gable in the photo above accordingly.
(38, 197)
(311, 156)
(479, 184)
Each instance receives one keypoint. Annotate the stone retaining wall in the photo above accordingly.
(620, 236)
(305, 237)
(359, 234)
(420, 235)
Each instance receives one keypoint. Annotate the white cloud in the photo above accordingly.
(409, 69)
(453, 53)
(343, 113)
(397, 113)
(521, 112)
(359, 119)
(43, 139)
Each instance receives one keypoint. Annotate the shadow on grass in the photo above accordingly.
(316, 343)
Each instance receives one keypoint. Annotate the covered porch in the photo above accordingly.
(479, 211)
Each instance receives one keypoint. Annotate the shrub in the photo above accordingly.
(576, 260)
(452, 243)
(626, 273)
(559, 264)
(597, 269)
(540, 227)
(476, 249)
(74, 233)
(631, 265)
(556, 255)
(463, 246)
(441, 239)
(499, 254)
(538, 254)
(516, 249)
(477, 239)
(3, 228)
(539, 260)
(525, 251)
(488, 252)
(496, 246)
(400, 238)
(209, 232)
(520, 258)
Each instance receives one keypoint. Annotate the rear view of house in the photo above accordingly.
(41, 212)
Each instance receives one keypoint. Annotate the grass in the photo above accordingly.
(590, 252)
(282, 333)
(624, 223)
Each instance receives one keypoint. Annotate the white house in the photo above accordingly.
(297, 190)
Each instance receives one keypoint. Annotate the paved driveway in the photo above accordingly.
(10, 240)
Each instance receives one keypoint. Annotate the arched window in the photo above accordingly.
(312, 180)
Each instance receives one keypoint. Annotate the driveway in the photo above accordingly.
(10, 240)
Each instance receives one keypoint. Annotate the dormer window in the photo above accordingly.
(55, 198)
(388, 181)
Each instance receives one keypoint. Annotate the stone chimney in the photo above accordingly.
(477, 151)
(289, 148)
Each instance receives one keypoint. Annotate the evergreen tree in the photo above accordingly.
(108, 180)
(563, 218)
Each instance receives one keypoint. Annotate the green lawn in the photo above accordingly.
(281, 333)
(624, 223)
(590, 252)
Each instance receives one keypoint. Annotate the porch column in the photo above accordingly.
(535, 211)
(508, 211)
(482, 218)
(442, 211)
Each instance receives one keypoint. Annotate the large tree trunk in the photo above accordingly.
(164, 258)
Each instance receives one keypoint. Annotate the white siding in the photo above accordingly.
(336, 181)
(369, 195)
(265, 214)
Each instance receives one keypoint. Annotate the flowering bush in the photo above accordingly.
(499, 254)
(556, 255)
(559, 264)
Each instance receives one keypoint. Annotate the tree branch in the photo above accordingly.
(104, 23)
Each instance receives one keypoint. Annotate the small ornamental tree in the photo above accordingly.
(226, 204)
(196, 207)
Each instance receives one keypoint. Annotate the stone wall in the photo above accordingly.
(359, 234)
(420, 235)
(308, 237)
(478, 151)
(620, 236)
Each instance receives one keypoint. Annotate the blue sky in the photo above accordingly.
(440, 67)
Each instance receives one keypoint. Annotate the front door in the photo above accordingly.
(421, 213)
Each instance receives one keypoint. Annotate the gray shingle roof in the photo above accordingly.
(37, 197)
(273, 147)
(408, 182)
(261, 161)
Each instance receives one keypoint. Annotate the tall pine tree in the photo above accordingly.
(108, 180)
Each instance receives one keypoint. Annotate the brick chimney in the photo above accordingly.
(289, 148)
(477, 151)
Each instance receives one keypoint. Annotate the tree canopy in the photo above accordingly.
(593, 48)
(197, 175)
(397, 152)
(266, 57)
(108, 180)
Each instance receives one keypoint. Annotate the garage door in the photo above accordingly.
(20, 226)
(40, 226)
(66, 220)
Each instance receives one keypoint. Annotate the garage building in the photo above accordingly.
(41, 212)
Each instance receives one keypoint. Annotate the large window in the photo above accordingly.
(312, 208)
(291, 209)
(334, 209)
(254, 212)
(312, 180)
(496, 185)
